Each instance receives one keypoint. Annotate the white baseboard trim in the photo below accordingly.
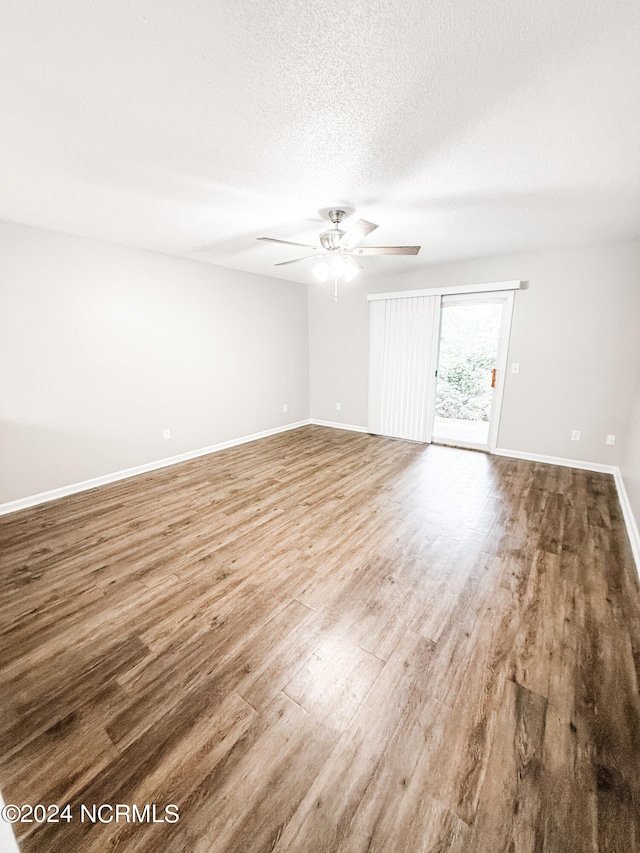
(334, 425)
(557, 460)
(629, 518)
(55, 494)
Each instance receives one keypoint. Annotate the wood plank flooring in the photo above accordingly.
(326, 642)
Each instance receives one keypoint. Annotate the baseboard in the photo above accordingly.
(334, 425)
(557, 460)
(629, 518)
(56, 494)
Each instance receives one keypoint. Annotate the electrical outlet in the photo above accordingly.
(338, 407)
(611, 439)
(285, 407)
(166, 433)
(515, 367)
(575, 435)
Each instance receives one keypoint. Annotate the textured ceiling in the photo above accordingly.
(192, 127)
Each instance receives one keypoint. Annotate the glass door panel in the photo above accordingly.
(466, 375)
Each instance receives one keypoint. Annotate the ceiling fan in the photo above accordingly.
(339, 249)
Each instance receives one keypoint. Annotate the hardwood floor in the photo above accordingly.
(326, 641)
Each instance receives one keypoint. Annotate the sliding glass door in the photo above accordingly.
(436, 366)
(470, 367)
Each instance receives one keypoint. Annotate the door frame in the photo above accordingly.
(507, 299)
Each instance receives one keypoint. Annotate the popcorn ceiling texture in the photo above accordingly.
(192, 127)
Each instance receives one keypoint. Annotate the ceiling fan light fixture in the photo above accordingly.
(322, 271)
(336, 266)
(350, 270)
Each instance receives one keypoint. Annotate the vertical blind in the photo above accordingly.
(402, 363)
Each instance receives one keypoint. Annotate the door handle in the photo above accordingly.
(493, 377)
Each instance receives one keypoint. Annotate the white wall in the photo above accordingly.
(339, 352)
(102, 347)
(574, 333)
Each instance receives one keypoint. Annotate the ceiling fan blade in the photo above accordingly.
(357, 233)
(386, 250)
(288, 242)
(295, 260)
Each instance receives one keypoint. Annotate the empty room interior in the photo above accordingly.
(319, 426)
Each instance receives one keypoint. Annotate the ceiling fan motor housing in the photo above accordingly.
(336, 216)
(331, 239)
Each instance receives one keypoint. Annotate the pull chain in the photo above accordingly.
(335, 288)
